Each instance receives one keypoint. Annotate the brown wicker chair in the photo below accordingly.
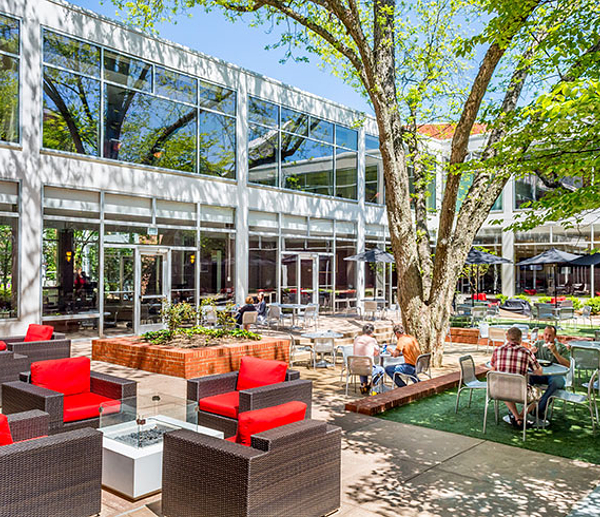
(55, 475)
(58, 347)
(256, 398)
(289, 470)
(20, 396)
(11, 365)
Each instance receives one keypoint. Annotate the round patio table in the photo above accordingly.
(585, 344)
(553, 369)
(325, 343)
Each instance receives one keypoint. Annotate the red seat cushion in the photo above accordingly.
(252, 422)
(2, 345)
(87, 405)
(68, 376)
(256, 372)
(5, 434)
(226, 404)
(39, 332)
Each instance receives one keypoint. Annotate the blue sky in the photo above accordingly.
(245, 46)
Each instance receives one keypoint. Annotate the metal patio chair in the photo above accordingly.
(422, 366)
(468, 380)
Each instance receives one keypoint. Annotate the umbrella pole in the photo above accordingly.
(555, 297)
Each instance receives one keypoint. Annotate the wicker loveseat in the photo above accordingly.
(222, 397)
(11, 365)
(40, 343)
(68, 391)
(289, 470)
(52, 475)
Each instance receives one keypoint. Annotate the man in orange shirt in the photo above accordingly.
(408, 347)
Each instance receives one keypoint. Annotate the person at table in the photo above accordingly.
(366, 345)
(249, 307)
(408, 347)
(550, 349)
(261, 307)
(513, 357)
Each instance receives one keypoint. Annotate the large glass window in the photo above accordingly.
(70, 268)
(9, 79)
(307, 165)
(217, 265)
(9, 267)
(262, 265)
(345, 274)
(263, 155)
(151, 114)
(373, 171)
(529, 189)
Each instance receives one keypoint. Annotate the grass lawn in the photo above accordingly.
(569, 435)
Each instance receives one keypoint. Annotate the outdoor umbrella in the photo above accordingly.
(374, 255)
(586, 260)
(551, 256)
(477, 258)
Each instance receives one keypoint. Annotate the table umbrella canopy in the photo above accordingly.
(374, 255)
(551, 256)
(586, 260)
(481, 257)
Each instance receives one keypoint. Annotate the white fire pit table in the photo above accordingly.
(133, 444)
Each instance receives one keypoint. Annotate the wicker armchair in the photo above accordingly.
(55, 475)
(58, 347)
(20, 396)
(293, 388)
(289, 470)
(11, 365)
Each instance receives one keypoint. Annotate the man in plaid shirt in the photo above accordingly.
(515, 358)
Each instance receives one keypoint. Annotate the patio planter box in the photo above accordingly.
(186, 362)
(468, 336)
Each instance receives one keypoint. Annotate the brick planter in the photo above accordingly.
(467, 336)
(184, 362)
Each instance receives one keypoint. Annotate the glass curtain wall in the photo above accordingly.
(290, 149)
(345, 272)
(9, 260)
(374, 184)
(262, 266)
(528, 189)
(152, 115)
(10, 46)
(217, 265)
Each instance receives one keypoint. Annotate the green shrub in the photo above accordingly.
(160, 337)
(177, 314)
(544, 299)
(577, 303)
(594, 303)
(523, 297)
(502, 298)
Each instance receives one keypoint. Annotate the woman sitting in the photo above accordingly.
(249, 307)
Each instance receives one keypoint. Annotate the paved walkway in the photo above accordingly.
(391, 469)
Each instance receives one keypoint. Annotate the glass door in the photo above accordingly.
(152, 288)
(308, 282)
(299, 278)
(289, 278)
(119, 292)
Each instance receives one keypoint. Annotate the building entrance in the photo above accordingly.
(152, 288)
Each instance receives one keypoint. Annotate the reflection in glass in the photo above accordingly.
(217, 98)
(71, 112)
(118, 290)
(294, 121)
(183, 276)
(345, 137)
(263, 152)
(120, 234)
(174, 85)
(345, 272)
(9, 267)
(289, 278)
(262, 264)
(143, 129)
(321, 129)
(9, 34)
(263, 112)
(524, 190)
(346, 174)
(71, 54)
(307, 165)
(217, 145)
(372, 191)
(217, 266)
(9, 99)
(127, 71)
(70, 268)
(371, 144)
(151, 278)
(325, 282)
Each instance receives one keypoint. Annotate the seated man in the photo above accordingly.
(550, 349)
(366, 345)
(513, 357)
(408, 347)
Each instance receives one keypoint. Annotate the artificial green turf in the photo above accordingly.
(569, 435)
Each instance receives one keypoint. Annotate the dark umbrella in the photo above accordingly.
(551, 256)
(586, 260)
(476, 258)
(374, 255)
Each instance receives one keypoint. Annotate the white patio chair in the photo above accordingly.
(506, 387)
(586, 314)
(468, 380)
(359, 365)
(497, 336)
(296, 349)
(422, 366)
(346, 351)
(370, 307)
(484, 333)
(249, 318)
(310, 316)
(209, 316)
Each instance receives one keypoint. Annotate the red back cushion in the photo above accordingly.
(252, 422)
(5, 436)
(70, 376)
(39, 332)
(2, 345)
(256, 372)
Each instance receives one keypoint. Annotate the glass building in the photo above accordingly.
(134, 170)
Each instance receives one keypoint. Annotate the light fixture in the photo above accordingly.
(192, 258)
(157, 152)
(69, 256)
